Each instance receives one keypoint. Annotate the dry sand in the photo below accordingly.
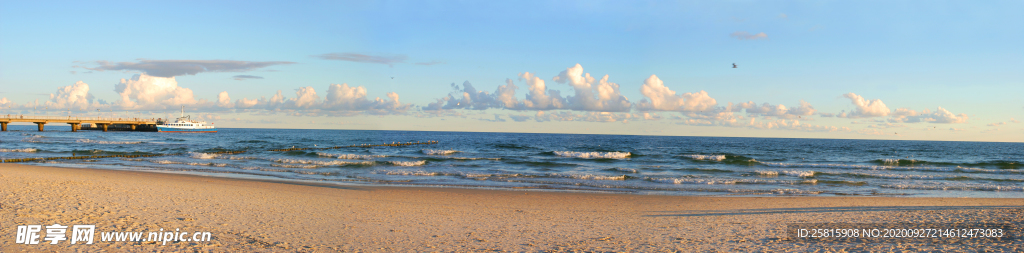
(260, 216)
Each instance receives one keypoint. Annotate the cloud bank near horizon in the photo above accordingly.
(588, 98)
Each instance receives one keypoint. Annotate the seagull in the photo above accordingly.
(392, 77)
(734, 65)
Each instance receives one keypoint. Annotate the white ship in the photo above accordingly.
(185, 124)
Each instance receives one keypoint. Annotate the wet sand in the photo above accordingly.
(266, 216)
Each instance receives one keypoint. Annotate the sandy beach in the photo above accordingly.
(265, 216)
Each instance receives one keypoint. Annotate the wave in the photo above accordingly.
(198, 155)
(882, 167)
(711, 181)
(164, 162)
(322, 163)
(955, 186)
(438, 151)
(706, 157)
(25, 150)
(413, 173)
(543, 164)
(408, 163)
(348, 156)
(297, 166)
(599, 155)
(107, 142)
(795, 173)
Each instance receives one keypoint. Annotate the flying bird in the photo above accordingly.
(734, 65)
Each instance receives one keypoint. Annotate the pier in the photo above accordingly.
(98, 123)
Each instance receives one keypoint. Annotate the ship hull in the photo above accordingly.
(185, 130)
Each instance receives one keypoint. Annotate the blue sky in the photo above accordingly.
(965, 58)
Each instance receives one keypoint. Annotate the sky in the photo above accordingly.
(901, 70)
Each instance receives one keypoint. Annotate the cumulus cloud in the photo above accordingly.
(658, 97)
(592, 94)
(540, 97)
(742, 35)
(341, 100)
(223, 100)
(75, 96)
(940, 115)
(244, 77)
(353, 57)
(865, 108)
(172, 68)
(144, 91)
(766, 109)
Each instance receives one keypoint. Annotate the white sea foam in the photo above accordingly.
(412, 173)
(408, 163)
(605, 155)
(320, 163)
(438, 151)
(706, 157)
(693, 181)
(795, 173)
(198, 155)
(300, 166)
(164, 162)
(348, 156)
(591, 176)
(955, 186)
(27, 150)
(106, 142)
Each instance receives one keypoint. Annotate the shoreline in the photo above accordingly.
(278, 215)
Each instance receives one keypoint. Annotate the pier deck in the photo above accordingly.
(76, 122)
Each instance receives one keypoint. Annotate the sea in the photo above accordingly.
(627, 164)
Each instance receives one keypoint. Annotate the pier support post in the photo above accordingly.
(104, 126)
(133, 127)
(40, 124)
(4, 126)
(74, 126)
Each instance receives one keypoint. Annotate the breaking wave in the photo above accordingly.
(706, 157)
(349, 156)
(26, 150)
(408, 163)
(438, 151)
(601, 155)
(198, 155)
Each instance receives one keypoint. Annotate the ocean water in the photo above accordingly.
(604, 163)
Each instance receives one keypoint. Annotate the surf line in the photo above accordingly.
(18, 160)
(393, 144)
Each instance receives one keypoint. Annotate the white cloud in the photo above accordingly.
(467, 97)
(865, 108)
(341, 100)
(590, 95)
(660, 98)
(766, 109)
(940, 115)
(540, 98)
(223, 100)
(143, 91)
(75, 96)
